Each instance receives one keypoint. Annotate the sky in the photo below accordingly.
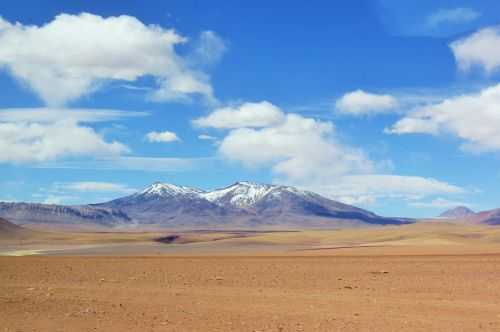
(389, 106)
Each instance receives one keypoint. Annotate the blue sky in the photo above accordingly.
(391, 107)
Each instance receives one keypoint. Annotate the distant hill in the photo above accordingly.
(241, 205)
(490, 217)
(464, 214)
(457, 212)
(35, 213)
(8, 229)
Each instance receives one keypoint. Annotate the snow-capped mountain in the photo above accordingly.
(167, 204)
(284, 204)
(240, 205)
(245, 194)
(159, 189)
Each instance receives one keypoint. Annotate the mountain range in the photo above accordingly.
(240, 205)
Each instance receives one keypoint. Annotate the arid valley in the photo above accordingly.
(422, 277)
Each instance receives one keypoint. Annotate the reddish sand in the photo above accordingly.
(379, 292)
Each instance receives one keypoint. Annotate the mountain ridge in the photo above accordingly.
(6, 226)
(242, 204)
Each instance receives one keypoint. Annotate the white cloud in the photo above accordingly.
(161, 137)
(439, 203)
(48, 115)
(135, 87)
(355, 200)
(474, 118)
(181, 86)
(147, 164)
(92, 186)
(247, 115)
(205, 137)
(360, 102)
(58, 199)
(22, 142)
(298, 148)
(61, 64)
(378, 184)
(305, 152)
(481, 49)
(209, 49)
(414, 124)
(451, 16)
(81, 191)
(366, 189)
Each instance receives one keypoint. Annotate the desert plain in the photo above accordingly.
(420, 277)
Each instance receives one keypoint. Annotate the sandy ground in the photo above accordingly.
(419, 278)
(245, 293)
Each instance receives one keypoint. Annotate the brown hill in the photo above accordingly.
(463, 215)
(457, 212)
(491, 217)
(8, 229)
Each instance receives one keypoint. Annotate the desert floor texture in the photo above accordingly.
(412, 278)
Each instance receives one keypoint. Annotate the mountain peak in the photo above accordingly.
(168, 189)
(245, 194)
(457, 212)
(240, 194)
(249, 184)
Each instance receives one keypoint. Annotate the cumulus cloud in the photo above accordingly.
(22, 142)
(162, 137)
(481, 49)
(360, 102)
(474, 118)
(451, 16)
(247, 115)
(294, 146)
(306, 152)
(181, 86)
(298, 149)
(39, 135)
(61, 64)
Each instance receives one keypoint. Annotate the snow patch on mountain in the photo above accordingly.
(246, 194)
(168, 190)
(240, 194)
